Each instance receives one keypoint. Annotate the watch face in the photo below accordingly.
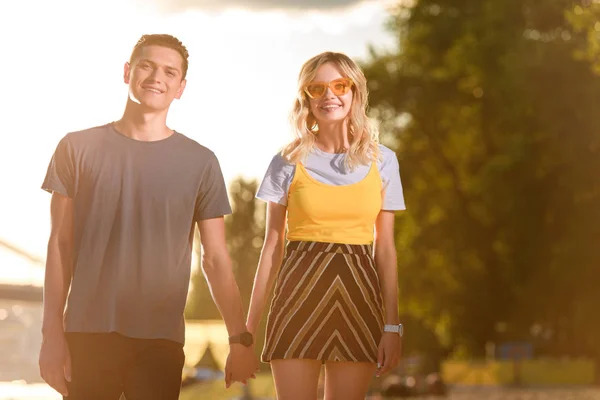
(246, 339)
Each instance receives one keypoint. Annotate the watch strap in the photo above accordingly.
(244, 338)
(399, 329)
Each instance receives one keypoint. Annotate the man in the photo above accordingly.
(125, 199)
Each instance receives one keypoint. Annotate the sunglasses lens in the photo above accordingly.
(316, 90)
(340, 86)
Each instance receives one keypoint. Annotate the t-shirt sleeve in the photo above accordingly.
(276, 182)
(61, 176)
(212, 200)
(393, 196)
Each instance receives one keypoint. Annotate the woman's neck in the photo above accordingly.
(333, 138)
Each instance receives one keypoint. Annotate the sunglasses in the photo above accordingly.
(339, 87)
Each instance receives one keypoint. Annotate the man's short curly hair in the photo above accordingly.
(163, 40)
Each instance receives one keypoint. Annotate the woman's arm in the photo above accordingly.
(386, 263)
(271, 257)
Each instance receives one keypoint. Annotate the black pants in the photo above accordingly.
(106, 365)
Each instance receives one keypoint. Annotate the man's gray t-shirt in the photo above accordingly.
(135, 208)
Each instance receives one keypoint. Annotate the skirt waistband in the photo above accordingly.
(366, 249)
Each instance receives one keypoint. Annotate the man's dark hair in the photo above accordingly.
(165, 41)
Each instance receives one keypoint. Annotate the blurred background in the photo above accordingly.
(490, 105)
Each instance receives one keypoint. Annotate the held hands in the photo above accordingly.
(55, 362)
(242, 364)
(388, 355)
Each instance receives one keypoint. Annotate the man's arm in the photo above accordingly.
(58, 263)
(269, 264)
(217, 268)
(54, 357)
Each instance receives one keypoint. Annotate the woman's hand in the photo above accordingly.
(388, 355)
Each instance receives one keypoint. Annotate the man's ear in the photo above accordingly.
(181, 89)
(126, 71)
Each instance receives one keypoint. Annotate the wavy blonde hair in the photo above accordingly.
(363, 134)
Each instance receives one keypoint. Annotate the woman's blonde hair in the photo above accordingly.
(363, 134)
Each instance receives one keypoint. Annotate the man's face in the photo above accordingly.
(155, 77)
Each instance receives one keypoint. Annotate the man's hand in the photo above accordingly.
(55, 362)
(242, 364)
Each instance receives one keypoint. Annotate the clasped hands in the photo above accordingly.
(242, 364)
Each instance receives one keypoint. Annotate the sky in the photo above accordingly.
(62, 70)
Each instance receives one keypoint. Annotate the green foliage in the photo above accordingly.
(493, 117)
(585, 19)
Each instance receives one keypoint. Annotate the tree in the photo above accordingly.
(494, 123)
(585, 19)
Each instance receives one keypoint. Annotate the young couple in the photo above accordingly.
(126, 197)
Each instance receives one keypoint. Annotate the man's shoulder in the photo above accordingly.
(95, 130)
(193, 144)
(87, 134)
(195, 148)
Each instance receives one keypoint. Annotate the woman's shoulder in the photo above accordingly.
(388, 158)
(279, 164)
(386, 152)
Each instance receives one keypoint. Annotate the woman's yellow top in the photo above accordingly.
(321, 212)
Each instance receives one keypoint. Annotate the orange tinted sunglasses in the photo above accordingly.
(339, 87)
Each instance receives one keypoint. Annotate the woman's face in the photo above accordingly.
(330, 95)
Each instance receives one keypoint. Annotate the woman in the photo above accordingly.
(339, 189)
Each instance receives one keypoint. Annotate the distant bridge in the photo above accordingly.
(29, 293)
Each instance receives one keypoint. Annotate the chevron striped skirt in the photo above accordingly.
(327, 305)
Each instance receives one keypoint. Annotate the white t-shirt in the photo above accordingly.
(329, 168)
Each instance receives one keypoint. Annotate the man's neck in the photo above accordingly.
(147, 126)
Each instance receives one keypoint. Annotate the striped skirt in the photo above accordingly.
(327, 305)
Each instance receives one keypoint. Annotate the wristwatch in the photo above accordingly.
(244, 339)
(399, 329)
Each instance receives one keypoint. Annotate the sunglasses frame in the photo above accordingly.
(327, 85)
